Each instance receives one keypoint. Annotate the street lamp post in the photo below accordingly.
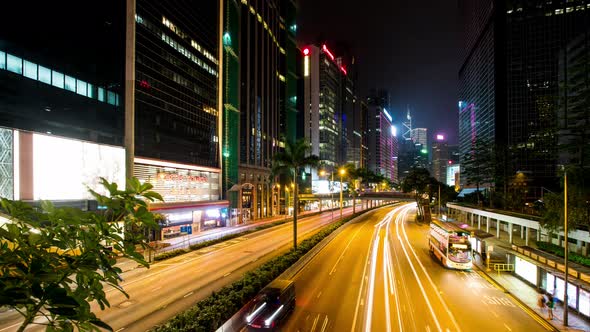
(341, 172)
(565, 302)
(286, 201)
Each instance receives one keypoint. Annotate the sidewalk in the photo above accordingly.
(184, 242)
(523, 291)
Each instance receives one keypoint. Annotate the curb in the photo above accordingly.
(482, 269)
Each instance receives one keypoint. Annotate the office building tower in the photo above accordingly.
(260, 100)
(407, 126)
(323, 103)
(381, 137)
(61, 97)
(509, 81)
(177, 114)
(574, 102)
(440, 158)
(420, 136)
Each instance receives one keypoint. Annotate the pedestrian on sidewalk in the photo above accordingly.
(541, 302)
(549, 302)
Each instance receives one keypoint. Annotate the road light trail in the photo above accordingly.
(426, 272)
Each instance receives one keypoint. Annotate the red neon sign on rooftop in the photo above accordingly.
(327, 51)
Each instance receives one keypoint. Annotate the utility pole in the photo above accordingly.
(129, 139)
(565, 305)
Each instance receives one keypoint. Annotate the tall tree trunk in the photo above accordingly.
(353, 202)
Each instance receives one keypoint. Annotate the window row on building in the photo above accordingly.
(57, 79)
(179, 48)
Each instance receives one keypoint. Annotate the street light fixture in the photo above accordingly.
(341, 172)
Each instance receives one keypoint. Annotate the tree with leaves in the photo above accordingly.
(352, 174)
(291, 161)
(55, 261)
(417, 181)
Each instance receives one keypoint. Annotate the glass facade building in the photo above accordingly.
(52, 87)
(509, 80)
(177, 81)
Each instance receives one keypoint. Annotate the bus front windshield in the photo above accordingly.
(460, 252)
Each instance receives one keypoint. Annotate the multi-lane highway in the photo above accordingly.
(378, 275)
(174, 285)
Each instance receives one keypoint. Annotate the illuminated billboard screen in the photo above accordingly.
(323, 187)
(62, 168)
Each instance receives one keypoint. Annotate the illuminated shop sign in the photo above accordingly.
(181, 177)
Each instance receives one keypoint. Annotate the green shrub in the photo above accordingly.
(210, 313)
(560, 251)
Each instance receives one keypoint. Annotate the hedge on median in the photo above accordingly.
(210, 313)
(560, 251)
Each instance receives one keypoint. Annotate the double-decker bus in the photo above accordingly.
(450, 244)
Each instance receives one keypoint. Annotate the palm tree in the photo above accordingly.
(295, 157)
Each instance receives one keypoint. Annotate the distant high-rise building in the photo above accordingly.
(440, 158)
(454, 154)
(509, 80)
(407, 126)
(381, 137)
(325, 101)
(420, 136)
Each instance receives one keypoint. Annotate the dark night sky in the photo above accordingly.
(406, 46)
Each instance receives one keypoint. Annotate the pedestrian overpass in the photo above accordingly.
(387, 196)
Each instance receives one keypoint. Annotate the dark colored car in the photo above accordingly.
(271, 306)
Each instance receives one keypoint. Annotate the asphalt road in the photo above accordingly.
(174, 285)
(378, 275)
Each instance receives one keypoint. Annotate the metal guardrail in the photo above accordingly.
(503, 268)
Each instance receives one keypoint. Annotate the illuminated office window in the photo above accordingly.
(2, 60)
(30, 70)
(44, 75)
(14, 64)
(57, 79)
(81, 88)
(70, 83)
(101, 96)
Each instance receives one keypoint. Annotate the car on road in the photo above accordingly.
(271, 307)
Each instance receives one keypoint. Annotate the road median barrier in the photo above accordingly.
(223, 310)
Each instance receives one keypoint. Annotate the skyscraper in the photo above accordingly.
(381, 139)
(261, 91)
(420, 136)
(509, 80)
(440, 158)
(324, 83)
(177, 115)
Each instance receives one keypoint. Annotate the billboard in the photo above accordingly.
(62, 168)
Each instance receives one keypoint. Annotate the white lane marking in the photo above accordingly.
(346, 248)
(372, 285)
(225, 275)
(188, 294)
(121, 329)
(319, 294)
(359, 300)
(393, 287)
(155, 289)
(457, 328)
(386, 286)
(495, 314)
(430, 308)
(325, 324)
(315, 322)
(507, 327)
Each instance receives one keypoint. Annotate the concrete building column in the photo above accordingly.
(510, 232)
(579, 246)
(538, 234)
(498, 228)
(478, 221)
(521, 231)
(488, 224)
(526, 236)
(472, 217)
